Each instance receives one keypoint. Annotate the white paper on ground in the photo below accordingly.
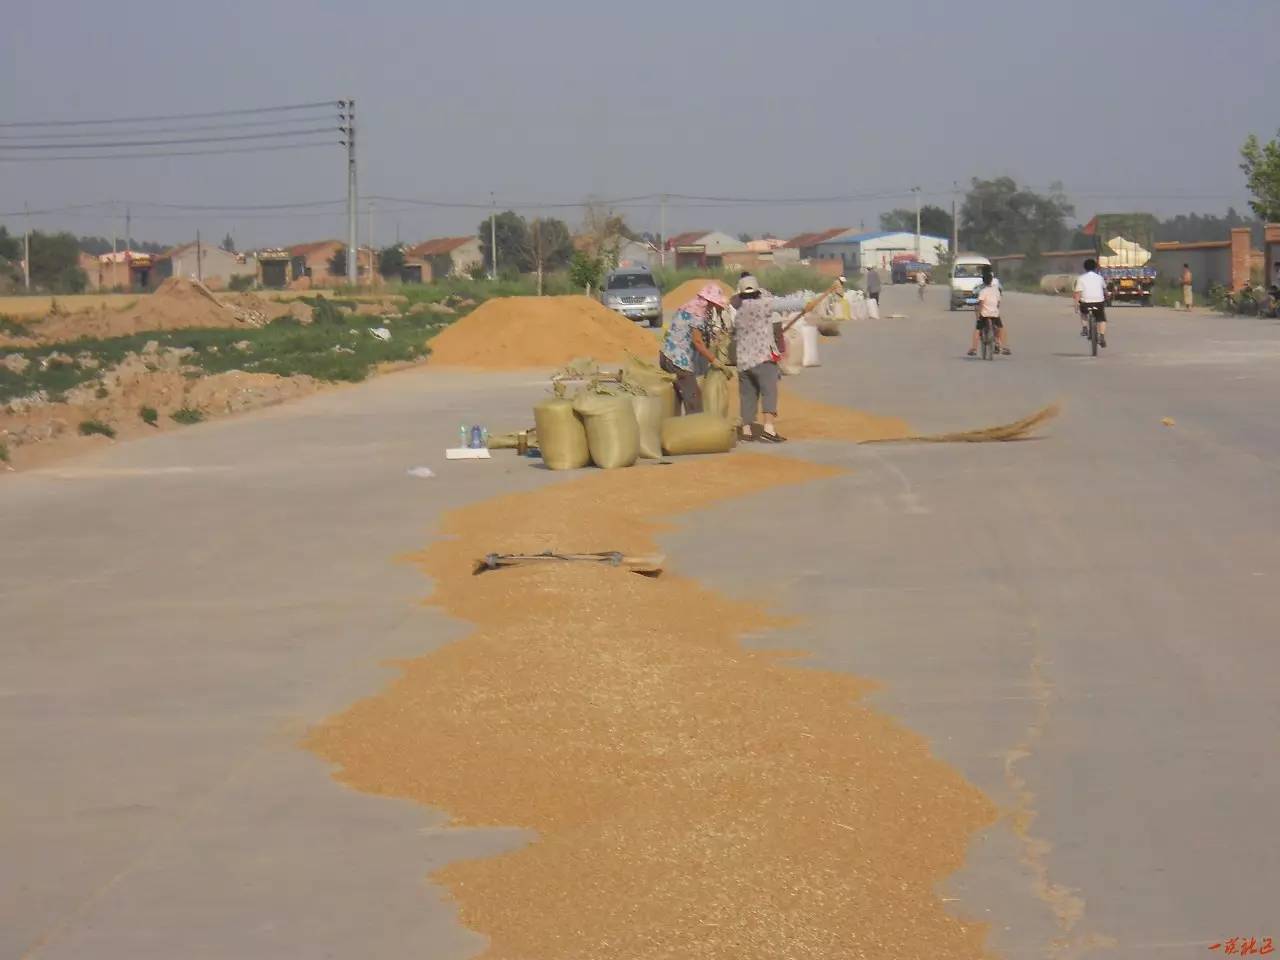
(467, 453)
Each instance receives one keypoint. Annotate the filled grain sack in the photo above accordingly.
(650, 412)
(613, 433)
(654, 382)
(562, 436)
(873, 310)
(697, 433)
(715, 393)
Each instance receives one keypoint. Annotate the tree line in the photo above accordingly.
(1000, 216)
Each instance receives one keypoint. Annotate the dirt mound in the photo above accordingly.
(689, 289)
(176, 304)
(39, 432)
(513, 332)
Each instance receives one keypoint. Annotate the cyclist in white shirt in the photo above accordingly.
(1091, 292)
(987, 310)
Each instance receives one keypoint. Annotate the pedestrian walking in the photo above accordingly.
(873, 285)
(1188, 293)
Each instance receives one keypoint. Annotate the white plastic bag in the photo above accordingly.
(792, 361)
(809, 338)
(873, 310)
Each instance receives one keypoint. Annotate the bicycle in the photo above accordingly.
(988, 338)
(1091, 314)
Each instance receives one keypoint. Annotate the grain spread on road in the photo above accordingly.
(802, 419)
(691, 798)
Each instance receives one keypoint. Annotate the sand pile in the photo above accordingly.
(689, 289)
(513, 332)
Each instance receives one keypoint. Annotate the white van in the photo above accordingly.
(966, 277)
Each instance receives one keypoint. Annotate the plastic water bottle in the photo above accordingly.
(484, 437)
(477, 438)
(462, 435)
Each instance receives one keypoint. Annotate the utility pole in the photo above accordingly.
(662, 230)
(493, 238)
(347, 111)
(371, 243)
(916, 191)
(955, 224)
(26, 250)
(128, 248)
(199, 258)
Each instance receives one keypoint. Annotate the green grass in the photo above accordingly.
(89, 428)
(553, 284)
(187, 415)
(4, 453)
(149, 415)
(780, 280)
(13, 328)
(325, 349)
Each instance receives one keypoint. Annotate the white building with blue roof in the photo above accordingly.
(859, 250)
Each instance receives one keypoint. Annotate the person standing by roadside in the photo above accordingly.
(686, 338)
(922, 278)
(760, 343)
(873, 285)
(1188, 293)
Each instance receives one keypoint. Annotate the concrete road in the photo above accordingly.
(1084, 624)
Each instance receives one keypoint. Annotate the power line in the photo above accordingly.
(221, 208)
(176, 116)
(105, 145)
(529, 205)
(170, 153)
(241, 125)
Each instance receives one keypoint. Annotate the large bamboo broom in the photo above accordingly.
(1018, 430)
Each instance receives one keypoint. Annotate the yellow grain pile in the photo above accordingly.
(689, 289)
(508, 333)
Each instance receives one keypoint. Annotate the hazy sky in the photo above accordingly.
(1132, 105)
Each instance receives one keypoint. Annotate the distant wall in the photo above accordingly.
(1210, 263)
(1271, 253)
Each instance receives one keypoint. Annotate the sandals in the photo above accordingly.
(972, 353)
(767, 437)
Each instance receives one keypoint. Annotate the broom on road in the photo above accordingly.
(1018, 430)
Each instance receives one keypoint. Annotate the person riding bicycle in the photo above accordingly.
(987, 310)
(1091, 294)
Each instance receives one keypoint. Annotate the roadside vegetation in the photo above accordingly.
(779, 280)
(335, 346)
(90, 428)
(186, 415)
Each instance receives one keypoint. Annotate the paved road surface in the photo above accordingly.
(1084, 624)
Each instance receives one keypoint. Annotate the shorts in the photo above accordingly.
(1100, 307)
(994, 321)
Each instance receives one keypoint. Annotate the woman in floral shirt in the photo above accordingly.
(759, 340)
(687, 336)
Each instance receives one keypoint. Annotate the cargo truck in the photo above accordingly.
(1124, 242)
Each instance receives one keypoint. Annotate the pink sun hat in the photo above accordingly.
(713, 293)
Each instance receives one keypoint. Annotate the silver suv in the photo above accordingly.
(632, 292)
